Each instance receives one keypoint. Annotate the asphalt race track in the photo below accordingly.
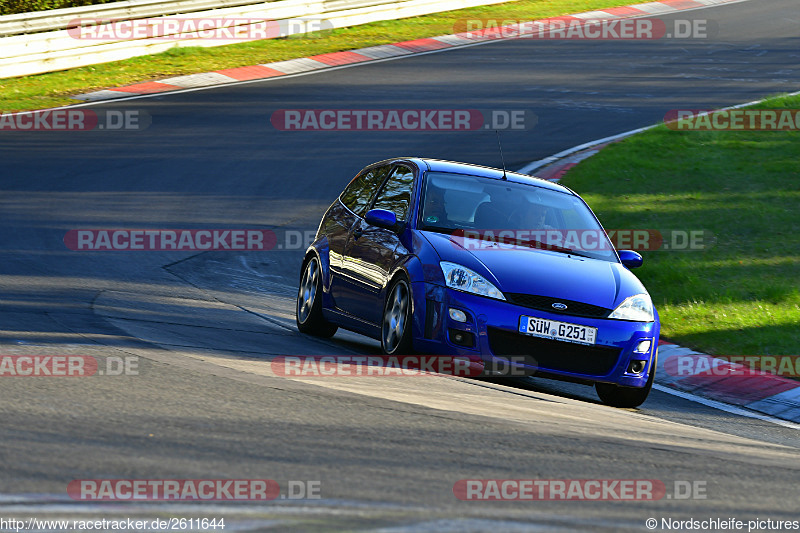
(204, 326)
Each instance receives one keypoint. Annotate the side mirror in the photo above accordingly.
(630, 258)
(381, 218)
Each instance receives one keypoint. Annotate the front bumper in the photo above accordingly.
(491, 331)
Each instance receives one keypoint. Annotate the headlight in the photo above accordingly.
(638, 308)
(463, 279)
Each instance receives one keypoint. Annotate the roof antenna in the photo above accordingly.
(501, 154)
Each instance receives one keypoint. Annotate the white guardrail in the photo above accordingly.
(34, 43)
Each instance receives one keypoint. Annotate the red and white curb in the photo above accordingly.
(553, 168)
(376, 53)
(721, 382)
(730, 383)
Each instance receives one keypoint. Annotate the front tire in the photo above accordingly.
(396, 321)
(617, 396)
(308, 312)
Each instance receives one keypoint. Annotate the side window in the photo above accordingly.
(395, 195)
(358, 194)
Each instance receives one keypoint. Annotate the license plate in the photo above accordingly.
(552, 329)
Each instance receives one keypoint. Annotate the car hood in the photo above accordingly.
(544, 273)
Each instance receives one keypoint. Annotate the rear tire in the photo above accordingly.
(396, 320)
(617, 396)
(308, 312)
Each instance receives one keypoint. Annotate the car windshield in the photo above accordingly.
(511, 214)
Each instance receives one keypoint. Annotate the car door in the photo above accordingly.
(339, 224)
(372, 251)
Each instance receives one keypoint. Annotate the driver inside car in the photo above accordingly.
(535, 218)
(434, 211)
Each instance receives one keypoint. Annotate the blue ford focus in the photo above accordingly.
(437, 257)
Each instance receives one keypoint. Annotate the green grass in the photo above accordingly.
(10, 7)
(742, 295)
(56, 88)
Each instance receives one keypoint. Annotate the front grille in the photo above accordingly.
(545, 303)
(548, 354)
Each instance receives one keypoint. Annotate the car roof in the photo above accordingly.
(440, 165)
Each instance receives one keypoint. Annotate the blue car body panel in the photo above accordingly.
(359, 261)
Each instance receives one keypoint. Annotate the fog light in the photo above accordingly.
(637, 367)
(642, 347)
(458, 315)
(461, 338)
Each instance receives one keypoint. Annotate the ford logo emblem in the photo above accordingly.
(559, 306)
